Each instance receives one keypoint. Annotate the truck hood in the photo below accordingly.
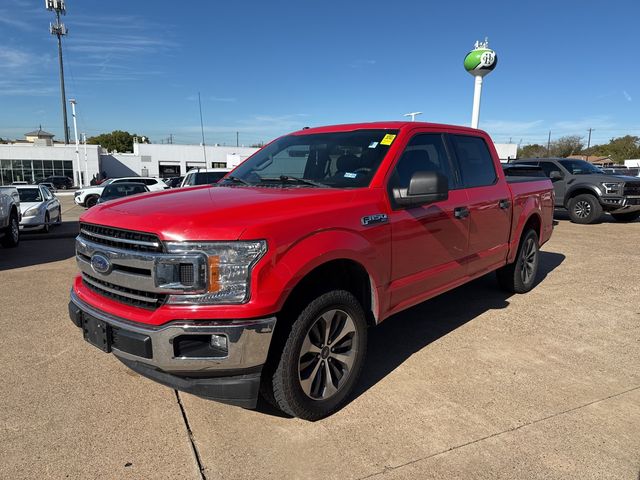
(211, 212)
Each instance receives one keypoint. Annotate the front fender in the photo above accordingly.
(289, 267)
(597, 191)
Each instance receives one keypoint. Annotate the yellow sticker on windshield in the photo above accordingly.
(388, 139)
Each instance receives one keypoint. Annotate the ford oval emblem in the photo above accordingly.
(100, 264)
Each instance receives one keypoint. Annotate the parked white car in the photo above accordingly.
(40, 208)
(88, 197)
(203, 176)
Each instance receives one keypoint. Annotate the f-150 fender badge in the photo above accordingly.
(373, 219)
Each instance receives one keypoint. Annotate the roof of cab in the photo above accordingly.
(391, 125)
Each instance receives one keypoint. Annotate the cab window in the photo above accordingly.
(475, 161)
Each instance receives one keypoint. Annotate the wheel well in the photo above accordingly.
(533, 223)
(337, 274)
(578, 191)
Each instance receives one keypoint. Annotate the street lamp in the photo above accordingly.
(59, 30)
(75, 132)
(413, 115)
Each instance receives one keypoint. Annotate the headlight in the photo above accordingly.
(78, 193)
(32, 212)
(225, 274)
(612, 187)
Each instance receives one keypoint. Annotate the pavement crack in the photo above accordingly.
(194, 448)
(388, 468)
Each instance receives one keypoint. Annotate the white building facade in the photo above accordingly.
(29, 162)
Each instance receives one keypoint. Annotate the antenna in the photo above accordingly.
(204, 150)
(413, 115)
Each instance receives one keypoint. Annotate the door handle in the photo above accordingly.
(461, 212)
(504, 203)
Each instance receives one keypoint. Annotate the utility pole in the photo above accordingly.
(59, 30)
(171, 139)
(72, 101)
(237, 139)
(589, 143)
(549, 145)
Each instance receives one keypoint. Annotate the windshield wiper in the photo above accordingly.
(287, 178)
(237, 180)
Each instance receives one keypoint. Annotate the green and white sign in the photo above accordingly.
(480, 61)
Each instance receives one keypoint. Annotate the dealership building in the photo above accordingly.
(37, 157)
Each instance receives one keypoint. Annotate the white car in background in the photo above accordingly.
(40, 208)
(88, 197)
(203, 176)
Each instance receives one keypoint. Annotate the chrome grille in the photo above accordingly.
(129, 296)
(119, 238)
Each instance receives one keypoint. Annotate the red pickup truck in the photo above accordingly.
(268, 281)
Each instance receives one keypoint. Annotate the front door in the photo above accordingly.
(429, 242)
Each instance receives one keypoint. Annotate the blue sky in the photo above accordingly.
(267, 68)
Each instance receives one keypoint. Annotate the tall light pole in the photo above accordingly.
(413, 115)
(86, 161)
(75, 131)
(59, 30)
(479, 62)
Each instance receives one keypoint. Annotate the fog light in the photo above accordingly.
(219, 341)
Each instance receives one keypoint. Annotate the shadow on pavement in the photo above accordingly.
(68, 229)
(563, 215)
(400, 336)
(29, 253)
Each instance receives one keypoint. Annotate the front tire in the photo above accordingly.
(520, 276)
(584, 209)
(626, 217)
(322, 357)
(91, 201)
(47, 223)
(11, 237)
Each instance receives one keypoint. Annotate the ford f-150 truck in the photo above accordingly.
(268, 281)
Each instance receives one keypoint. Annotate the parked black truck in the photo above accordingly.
(585, 191)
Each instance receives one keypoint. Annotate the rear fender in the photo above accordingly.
(530, 207)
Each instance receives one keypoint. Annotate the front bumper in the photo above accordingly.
(32, 222)
(231, 375)
(621, 204)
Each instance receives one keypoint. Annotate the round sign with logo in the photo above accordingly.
(480, 61)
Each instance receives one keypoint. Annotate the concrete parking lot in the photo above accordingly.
(473, 384)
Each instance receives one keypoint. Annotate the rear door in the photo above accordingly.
(489, 203)
(429, 243)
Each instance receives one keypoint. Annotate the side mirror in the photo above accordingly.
(424, 187)
(556, 175)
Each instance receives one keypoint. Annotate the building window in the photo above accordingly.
(33, 171)
(218, 164)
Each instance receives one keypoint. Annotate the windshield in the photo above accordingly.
(339, 160)
(29, 194)
(580, 167)
(118, 190)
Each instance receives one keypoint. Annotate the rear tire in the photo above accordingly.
(584, 209)
(11, 237)
(322, 357)
(626, 217)
(520, 276)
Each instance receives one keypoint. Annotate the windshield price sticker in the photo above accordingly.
(388, 139)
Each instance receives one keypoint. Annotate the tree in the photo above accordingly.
(118, 140)
(532, 151)
(565, 146)
(619, 149)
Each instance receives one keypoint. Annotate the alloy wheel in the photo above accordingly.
(582, 209)
(327, 355)
(529, 254)
(15, 230)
